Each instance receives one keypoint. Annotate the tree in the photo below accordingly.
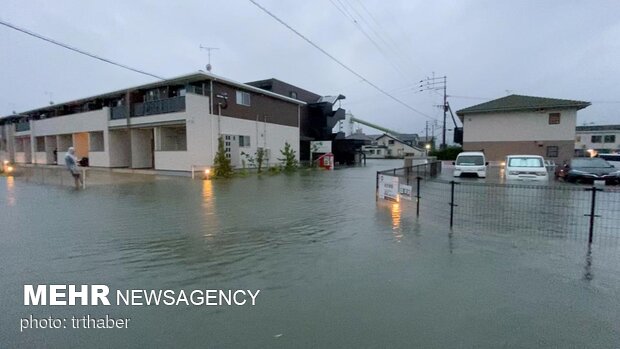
(221, 164)
(260, 158)
(289, 161)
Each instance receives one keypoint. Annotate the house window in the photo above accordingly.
(244, 141)
(552, 151)
(378, 151)
(243, 98)
(596, 139)
(172, 138)
(610, 139)
(391, 141)
(40, 144)
(95, 140)
(554, 118)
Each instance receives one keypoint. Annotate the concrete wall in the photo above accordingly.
(118, 148)
(141, 148)
(40, 157)
(583, 140)
(522, 126)
(82, 122)
(497, 151)
(50, 147)
(202, 133)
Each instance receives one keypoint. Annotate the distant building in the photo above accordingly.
(388, 146)
(318, 116)
(522, 125)
(600, 138)
(166, 125)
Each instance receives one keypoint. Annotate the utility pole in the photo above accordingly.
(426, 138)
(434, 84)
(209, 49)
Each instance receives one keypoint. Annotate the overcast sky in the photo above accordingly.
(487, 49)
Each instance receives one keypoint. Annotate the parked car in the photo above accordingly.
(525, 167)
(470, 163)
(613, 159)
(588, 170)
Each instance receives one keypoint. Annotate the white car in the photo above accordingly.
(526, 167)
(470, 163)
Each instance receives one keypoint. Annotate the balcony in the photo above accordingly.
(162, 106)
(22, 126)
(118, 112)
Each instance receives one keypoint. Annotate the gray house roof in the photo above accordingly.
(515, 103)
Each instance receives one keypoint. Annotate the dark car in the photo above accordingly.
(588, 170)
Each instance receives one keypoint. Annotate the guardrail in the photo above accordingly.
(162, 106)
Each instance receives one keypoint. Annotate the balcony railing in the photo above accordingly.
(22, 126)
(118, 112)
(162, 106)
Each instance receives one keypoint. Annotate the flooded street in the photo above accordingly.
(335, 267)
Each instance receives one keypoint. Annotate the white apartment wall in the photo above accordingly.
(141, 152)
(583, 140)
(40, 157)
(117, 147)
(96, 120)
(202, 134)
(519, 126)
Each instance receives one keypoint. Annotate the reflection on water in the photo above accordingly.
(10, 192)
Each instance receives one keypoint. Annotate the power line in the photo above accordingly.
(74, 49)
(339, 62)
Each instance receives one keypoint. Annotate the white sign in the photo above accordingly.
(388, 187)
(320, 147)
(405, 191)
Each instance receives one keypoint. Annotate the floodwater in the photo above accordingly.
(335, 267)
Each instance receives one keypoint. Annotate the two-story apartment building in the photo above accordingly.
(521, 125)
(167, 125)
(599, 138)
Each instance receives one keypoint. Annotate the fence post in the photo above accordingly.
(592, 212)
(417, 202)
(376, 186)
(452, 205)
(83, 178)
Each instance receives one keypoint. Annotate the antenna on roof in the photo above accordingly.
(209, 49)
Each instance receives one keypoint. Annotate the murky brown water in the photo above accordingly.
(335, 267)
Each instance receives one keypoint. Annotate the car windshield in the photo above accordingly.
(594, 162)
(472, 160)
(525, 162)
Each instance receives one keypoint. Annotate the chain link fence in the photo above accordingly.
(590, 213)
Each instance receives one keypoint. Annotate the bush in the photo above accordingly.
(221, 164)
(450, 153)
(289, 162)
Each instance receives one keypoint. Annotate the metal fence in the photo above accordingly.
(588, 213)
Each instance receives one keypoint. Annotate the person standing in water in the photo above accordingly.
(71, 163)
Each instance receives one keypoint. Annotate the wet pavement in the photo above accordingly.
(335, 267)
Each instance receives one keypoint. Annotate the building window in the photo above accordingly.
(243, 98)
(293, 94)
(596, 139)
(244, 141)
(578, 139)
(610, 139)
(554, 118)
(40, 145)
(391, 142)
(95, 140)
(378, 151)
(172, 138)
(552, 151)
(371, 152)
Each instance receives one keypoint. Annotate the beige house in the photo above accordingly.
(522, 125)
(387, 146)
